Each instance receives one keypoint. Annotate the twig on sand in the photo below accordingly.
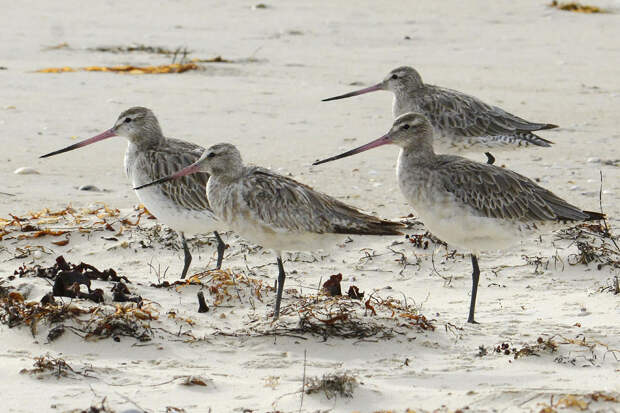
(303, 382)
(600, 203)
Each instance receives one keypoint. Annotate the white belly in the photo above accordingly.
(461, 229)
(176, 217)
(281, 240)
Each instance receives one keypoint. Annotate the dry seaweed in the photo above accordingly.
(127, 69)
(576, 7)
(139, 48)
(345, 317)
(48, 365)
(595, 244)
(332, 385)
(90, 322)
(579, 402)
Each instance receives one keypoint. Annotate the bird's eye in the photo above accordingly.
(394, 76)
(406, 127)
(211, 155)
(127, 120)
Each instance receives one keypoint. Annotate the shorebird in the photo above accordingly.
(274, 211)
(461, 122)
(182, 204)
(468, 204)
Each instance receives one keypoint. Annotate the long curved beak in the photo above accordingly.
(188, 170)
(384, 140)
(107, 134)
(374, 88)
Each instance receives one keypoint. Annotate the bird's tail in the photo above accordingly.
(594, 216)
(528, 138)
(371, 226)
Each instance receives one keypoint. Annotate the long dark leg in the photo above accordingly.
(188, 256)
(221, 247)
(475, 276)
(490, 158)
(281, 277)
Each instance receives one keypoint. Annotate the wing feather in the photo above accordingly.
(496, 192)
(285, 204)
(466, 115)
(188, 191)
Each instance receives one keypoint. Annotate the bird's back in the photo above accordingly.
(286, 205)
(463, 121)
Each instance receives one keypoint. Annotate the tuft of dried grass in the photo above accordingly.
(332, 385)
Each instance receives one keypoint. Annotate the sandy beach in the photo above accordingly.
(549, 309)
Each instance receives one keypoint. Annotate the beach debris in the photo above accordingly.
(332, 286)
(354, 293)
(127, 69)
(202, 305)
(216, 59)
(51, 365)
(579, 402)
(595, 244)
(576, 7)
(195, 381)
(332, 385)
(580, 350)
(26, 170)
(98, 217)
(63, 45)
(423, 241)
(89, 187)
(259, 6)
(137, 48)
(345, 317)
(61, 266)
(126, 321)
(69, 277)
(102, 408)
(613, 286)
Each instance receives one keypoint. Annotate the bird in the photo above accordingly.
(461, 122)
(182, 204)
(276, 211)
(471, 205)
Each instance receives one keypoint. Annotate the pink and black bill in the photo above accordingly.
(384, 140)
(357, 92)
(107, 134)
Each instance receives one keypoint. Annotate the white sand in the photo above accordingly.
(540, 63)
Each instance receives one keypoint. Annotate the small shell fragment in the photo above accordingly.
(26, 170)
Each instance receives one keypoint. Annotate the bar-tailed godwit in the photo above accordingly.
(181, 204)
(468, 204)
(461, 122)
(274, 211)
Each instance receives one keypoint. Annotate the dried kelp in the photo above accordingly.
(54, 366)
(576, 7)
(595, 243)
(347, 317)
(127, 69)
